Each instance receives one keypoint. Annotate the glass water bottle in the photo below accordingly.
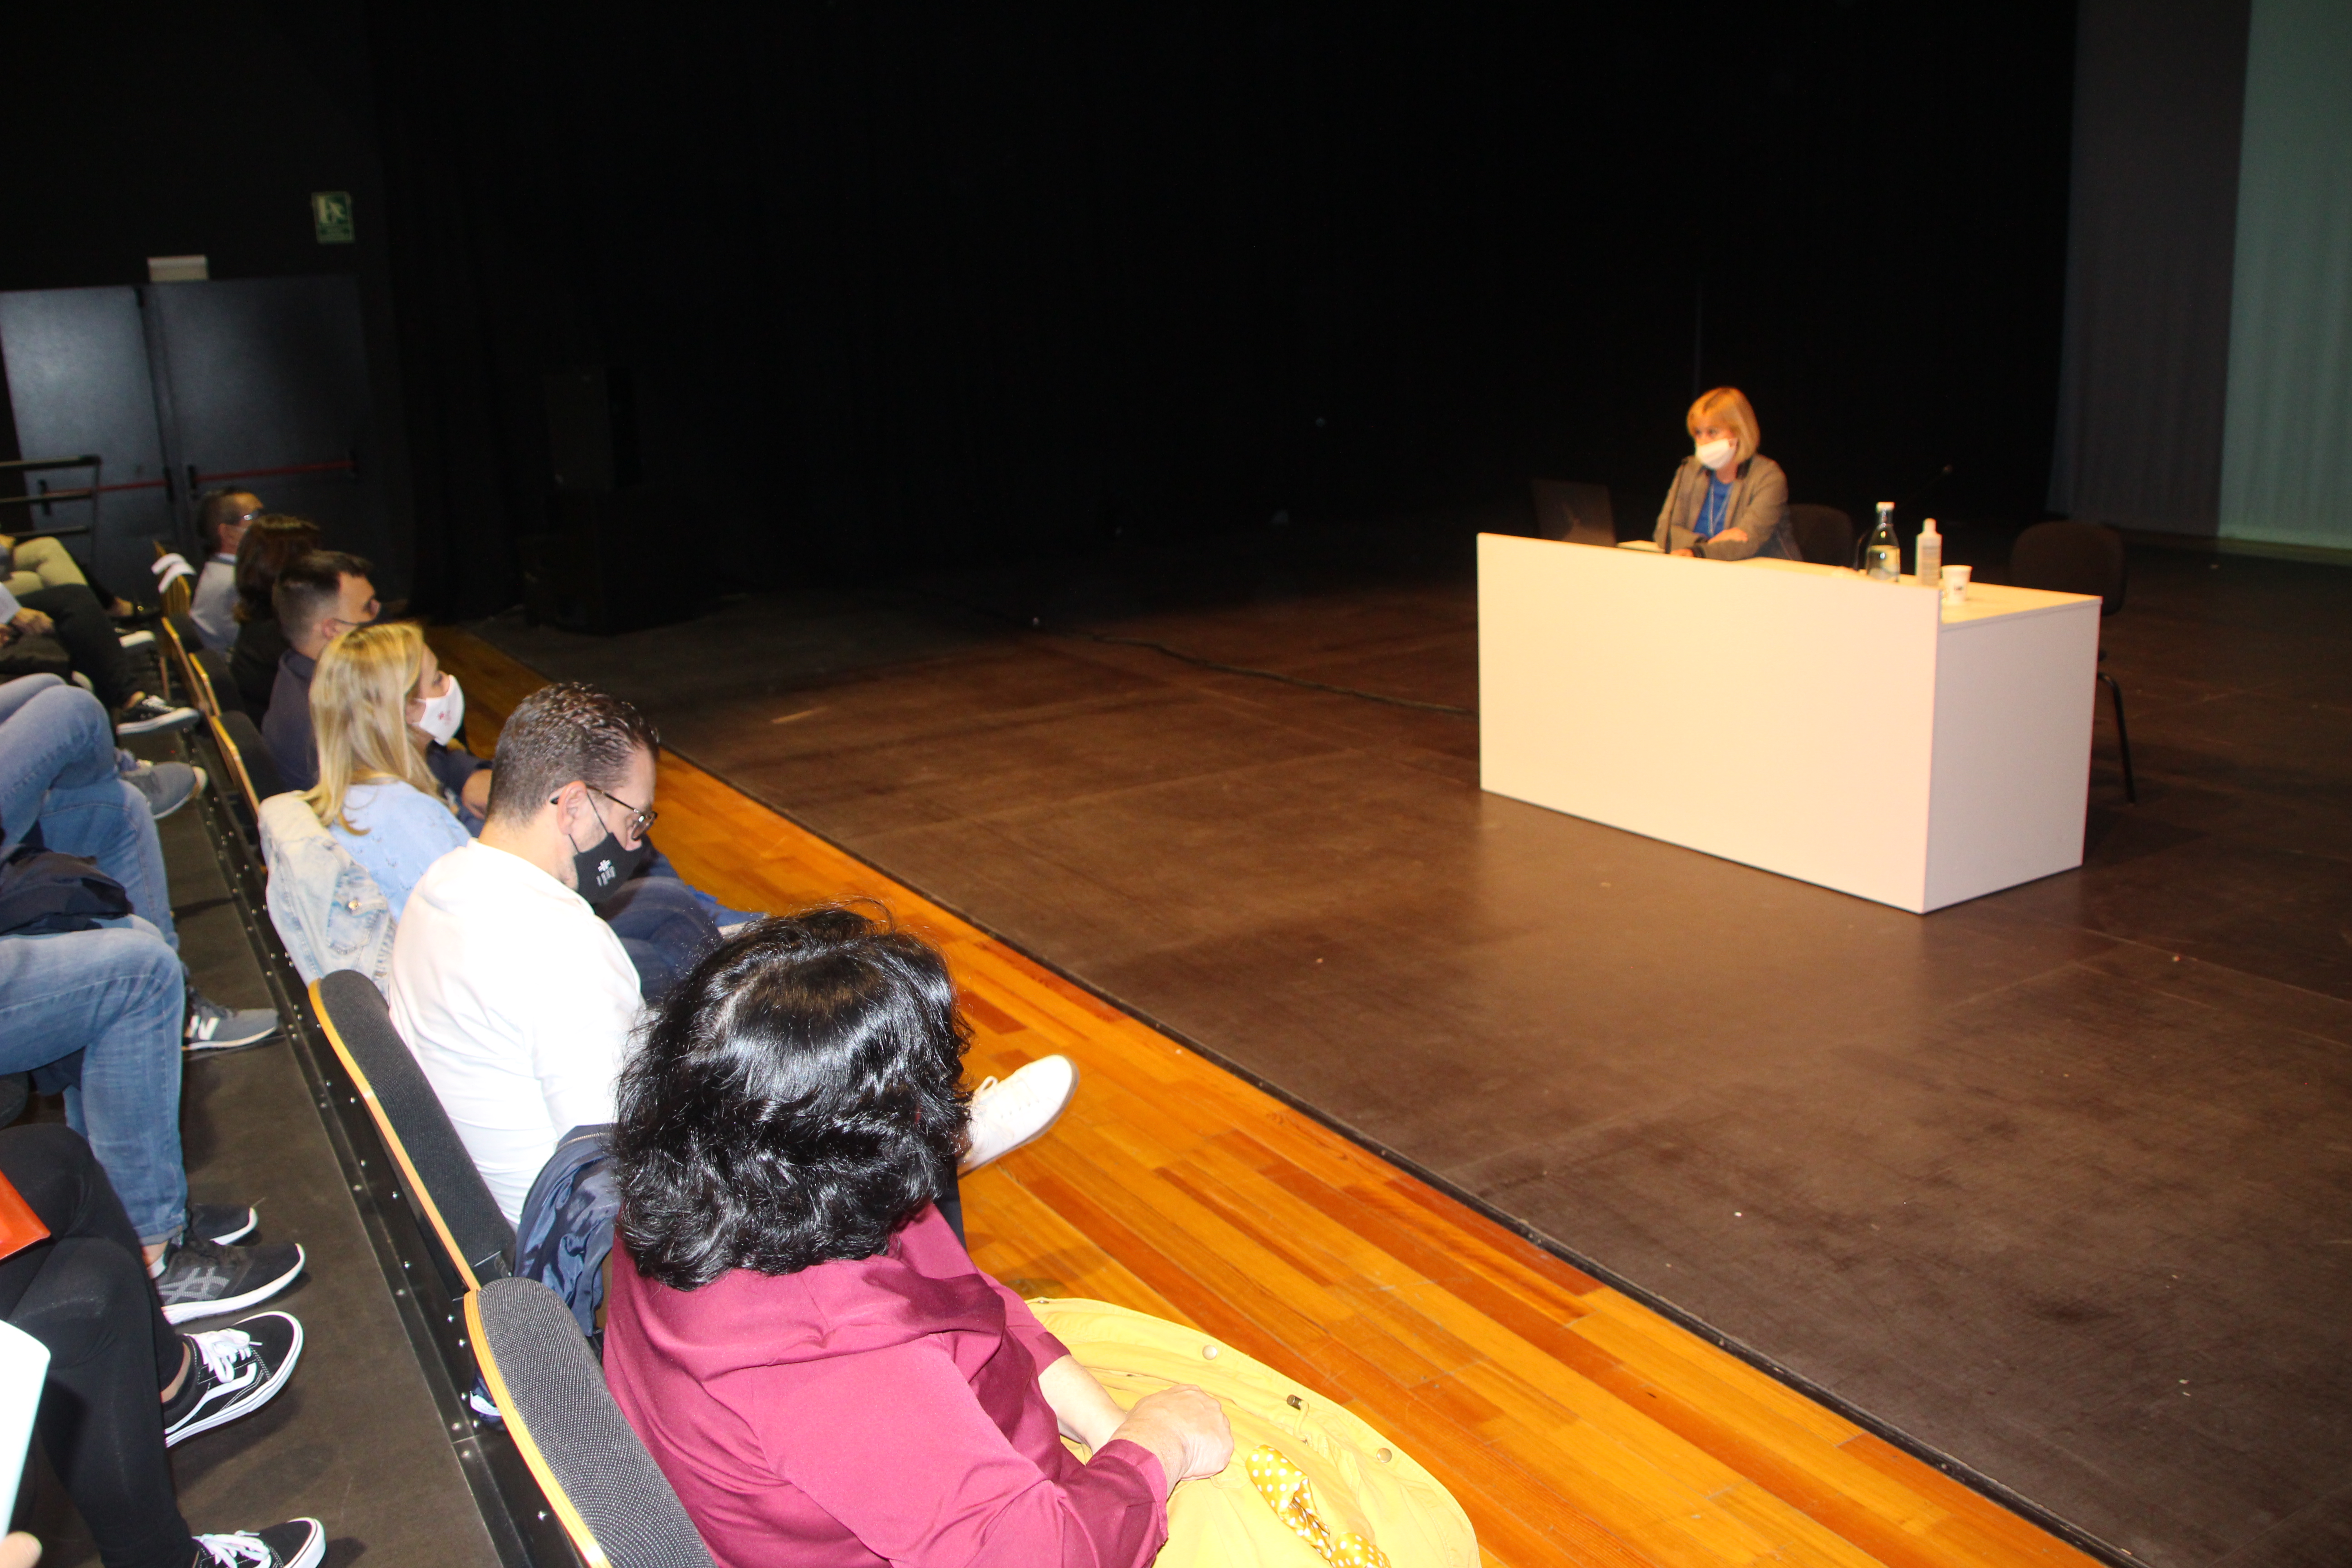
(1883, 555)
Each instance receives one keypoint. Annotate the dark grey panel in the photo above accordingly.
(2159, 89)
(77, 378)
(271, 373)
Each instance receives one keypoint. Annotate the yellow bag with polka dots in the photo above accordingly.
(1311, 1484)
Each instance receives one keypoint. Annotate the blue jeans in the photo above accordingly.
(57, 768)
(664, 928)
(115, 994)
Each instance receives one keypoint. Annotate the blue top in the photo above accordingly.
(1710, 520)
(406, 831)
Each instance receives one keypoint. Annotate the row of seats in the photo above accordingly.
(596, 1476)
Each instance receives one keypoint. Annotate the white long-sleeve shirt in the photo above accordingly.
(518, 1003)
(212, 603)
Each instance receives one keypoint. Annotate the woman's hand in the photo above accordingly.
(1733, 536)
(33, 624)
(1685, 549)
(1185, 1429)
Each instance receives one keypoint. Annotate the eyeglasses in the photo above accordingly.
(641, 817)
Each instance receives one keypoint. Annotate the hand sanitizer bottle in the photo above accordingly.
(1883, 555)
(1927, 556)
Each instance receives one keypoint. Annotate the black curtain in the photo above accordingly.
(902, 285)
(2159, 98)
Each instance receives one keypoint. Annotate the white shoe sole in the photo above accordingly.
(253, 1399)
(178, 719)
(195, 790)
(189, 1311)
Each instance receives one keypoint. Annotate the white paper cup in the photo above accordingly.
(1956, 584)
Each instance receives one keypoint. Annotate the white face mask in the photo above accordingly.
(1716, 453)
(444, 714)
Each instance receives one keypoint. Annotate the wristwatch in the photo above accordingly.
(1698, 548)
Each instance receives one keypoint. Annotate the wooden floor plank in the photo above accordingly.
(1574, 1425)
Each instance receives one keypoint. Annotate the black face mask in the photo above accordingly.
(603, 866)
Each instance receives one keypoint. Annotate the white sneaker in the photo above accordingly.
(1006, 1115)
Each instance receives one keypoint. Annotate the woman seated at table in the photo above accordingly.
(823, 1375)
(377, 699)
(1729, 501)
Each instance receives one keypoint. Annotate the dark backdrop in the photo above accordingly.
(903, 285)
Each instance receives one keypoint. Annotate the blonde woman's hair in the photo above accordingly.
(1726, 406)
(359, 715)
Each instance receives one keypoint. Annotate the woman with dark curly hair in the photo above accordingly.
(809, 1352)
(826, 1378)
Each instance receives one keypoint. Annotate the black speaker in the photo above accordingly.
(591, 430)
(610, 560)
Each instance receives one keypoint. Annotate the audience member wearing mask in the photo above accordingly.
(374, 724)
(515, 999)
(518, 1002)
(317, 598)
(270, 541)
(222, 517)
(1729, 501)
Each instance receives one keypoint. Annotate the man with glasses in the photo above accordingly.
(515, 998)
(221, 518)
(317, 598)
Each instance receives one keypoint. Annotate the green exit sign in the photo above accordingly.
(331, 215)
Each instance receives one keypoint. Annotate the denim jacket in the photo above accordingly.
(328, 910)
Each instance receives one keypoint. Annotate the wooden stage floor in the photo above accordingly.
(1574, 1425)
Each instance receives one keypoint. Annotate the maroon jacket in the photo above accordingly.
(884, 1411)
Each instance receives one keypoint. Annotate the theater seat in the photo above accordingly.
(438, 1179)
(611, 1498)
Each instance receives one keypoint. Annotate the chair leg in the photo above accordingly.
(2123, 735)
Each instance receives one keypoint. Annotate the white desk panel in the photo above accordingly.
(1788, 716)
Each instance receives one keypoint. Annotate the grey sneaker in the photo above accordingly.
(213, 1027)
(151, 716)
(167, 785)
(131, 640)
(204, 1279)
(233, 1373)
(297, 1543)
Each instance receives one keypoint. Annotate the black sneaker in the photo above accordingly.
(205, 1280)
(221, 1224)
(212, 1027)
(233, 1373)
(297, 1543)
(151, 716)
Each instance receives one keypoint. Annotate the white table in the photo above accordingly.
(1796, 718)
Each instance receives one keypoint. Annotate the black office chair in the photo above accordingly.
(1578, 513)
(1824, 535)
(2084, 558)
(439, 1178)
(613, 1500)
